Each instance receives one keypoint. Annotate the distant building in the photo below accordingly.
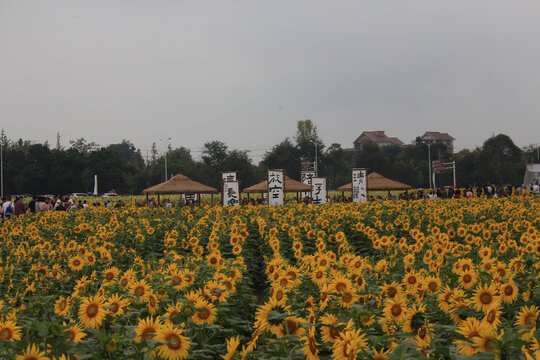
(442, 138)
(375, 137)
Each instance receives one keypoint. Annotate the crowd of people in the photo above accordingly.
(14, 207)
(37, 204)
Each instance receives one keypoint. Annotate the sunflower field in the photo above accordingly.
(455, 279)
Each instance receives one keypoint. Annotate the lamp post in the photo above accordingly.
(315, 167)
(429, 143)
(1, 170)
(166, 150)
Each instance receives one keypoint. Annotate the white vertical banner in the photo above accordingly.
(318, 190)
(231, 193)
(228, 176)
(305, 178)
(276, 187)
(95, 185)
(359, 185)
(189, 197)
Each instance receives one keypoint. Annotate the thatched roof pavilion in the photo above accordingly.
(179, 184)
(289, 186)
(377, 182)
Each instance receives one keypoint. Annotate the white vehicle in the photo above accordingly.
(109, 195)
(79, 195)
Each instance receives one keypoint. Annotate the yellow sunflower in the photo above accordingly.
(395, 309)
(509, 292)
(117, 305)
(92, 311)
(310, 345)
(147, 328)
(139, 288)
(32, 353)
(468, 279)
(62, 306)
(76, 333)
(527, 316)
(349, 345)
(76, 263)
(9, 331)
(205, 313)
(291, 326)
(232, 345)
(485, 297)
(173, 311)
(469, 328)
(176, 346)
(152, 302)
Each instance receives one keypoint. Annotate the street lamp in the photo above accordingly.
(315, 167)
(429, 143)
(1, 170)
(166, 150)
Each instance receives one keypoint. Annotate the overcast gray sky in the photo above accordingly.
(244, 72)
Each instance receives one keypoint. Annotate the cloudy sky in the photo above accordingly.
(244, 72)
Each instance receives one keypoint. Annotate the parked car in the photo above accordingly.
(109, 195)
(79, 195)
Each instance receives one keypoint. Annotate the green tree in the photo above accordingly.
(283, 156)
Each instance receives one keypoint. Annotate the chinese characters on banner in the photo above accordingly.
(231, 193)
(189, 197)
(305, 178)
(318, 190)
(228, 176)
(359, 185)
(276, 182)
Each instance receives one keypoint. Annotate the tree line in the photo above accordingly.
(43, 169)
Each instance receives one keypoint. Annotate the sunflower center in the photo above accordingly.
(312, 345)
(422, 333)
(279, 295)
(176, 280)
(62, 305)
(341, 287)
(76, 262)
(5, 334)
(334, 332)
(175, 341)
(152, 301)
(346, 297)
(147, 333)
(467, 278)
(92, 310)
(411, 280)
(109, 276)
(490, 316)
(508, 290)
(432, 286)
(291, 326)
(392, 292)
(396, 309)
(114, 308)
(139, 290)
(486, 298)
(203, 313)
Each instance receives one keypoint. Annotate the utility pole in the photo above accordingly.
(316, 166)
(1, 169)
(429, 143)
(166, 150)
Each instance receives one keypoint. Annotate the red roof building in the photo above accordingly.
(376, 137)
(437, 137)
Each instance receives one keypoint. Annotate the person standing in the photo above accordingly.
(7, 207)
(20, 208)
